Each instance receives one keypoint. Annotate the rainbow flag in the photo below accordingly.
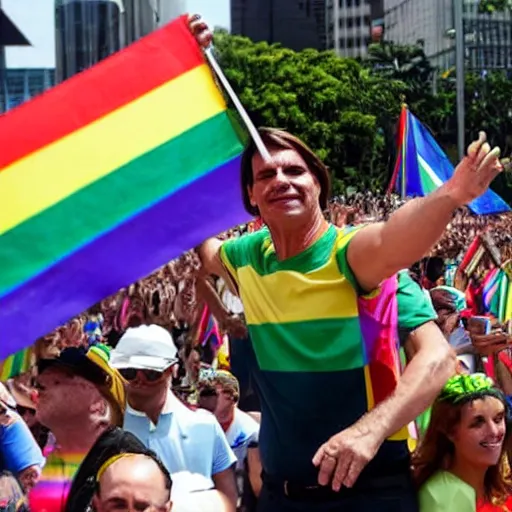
(490, 287)
(422, 166)
(16, 364)
(208, 332)
(108, 176)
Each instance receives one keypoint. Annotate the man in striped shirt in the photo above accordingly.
(323, 312)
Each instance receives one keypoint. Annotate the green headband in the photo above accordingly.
(462, 387)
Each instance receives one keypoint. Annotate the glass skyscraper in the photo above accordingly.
(19, 85)
(87, 31)
(296, 24)
(487, 37)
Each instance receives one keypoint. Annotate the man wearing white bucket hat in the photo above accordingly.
(191, 444)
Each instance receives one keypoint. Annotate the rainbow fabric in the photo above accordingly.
(490, 287)
(499, 303)
(51, 492)
(16, 364)
(422, 166)
(108, 176)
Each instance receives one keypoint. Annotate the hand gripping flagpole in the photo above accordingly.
(238, 104)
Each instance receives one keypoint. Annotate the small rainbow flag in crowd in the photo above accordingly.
(208, 332)
(490, 286)
(16, 364)
(422, 166)
(108, 176)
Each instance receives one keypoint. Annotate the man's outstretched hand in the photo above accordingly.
(200, 30)
(475, 172)
(341, 459)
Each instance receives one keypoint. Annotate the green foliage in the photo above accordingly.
(490, 6)
(347, 110)
(335, 105)
(407, 63)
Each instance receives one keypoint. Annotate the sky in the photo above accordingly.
(215, 12)
(35, 18)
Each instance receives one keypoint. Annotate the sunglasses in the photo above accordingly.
(25, 410)
(130, 374)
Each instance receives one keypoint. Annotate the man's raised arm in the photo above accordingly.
(209, 254)
(380, 250)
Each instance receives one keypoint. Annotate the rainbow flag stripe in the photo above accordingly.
(51, 492)
(108, 176)
(16, 364)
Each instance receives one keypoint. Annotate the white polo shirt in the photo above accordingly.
(191, 444)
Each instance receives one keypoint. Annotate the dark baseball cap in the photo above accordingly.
(92, 364)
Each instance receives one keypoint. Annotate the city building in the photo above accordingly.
(296, 24)
(349, 26)
(88, 31)
(10, 35)
(487, 38)
(18, 84)
(21, 84)
(79, 33)
(169, 10)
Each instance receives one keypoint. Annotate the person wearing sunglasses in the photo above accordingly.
(191, 444)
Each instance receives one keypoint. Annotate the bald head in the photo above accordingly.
(134, 482)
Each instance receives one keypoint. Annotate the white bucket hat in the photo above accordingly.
(148, 347)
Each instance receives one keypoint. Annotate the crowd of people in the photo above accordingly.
(314, 360)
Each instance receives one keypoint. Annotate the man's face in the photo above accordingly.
(48, 348)
(64, 397)
(133, 484)
(283, 188)
(225, 403)
(145, 383)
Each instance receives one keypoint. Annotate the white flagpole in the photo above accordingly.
(238, 104)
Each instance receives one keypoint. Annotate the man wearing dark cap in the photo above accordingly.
(80, 398)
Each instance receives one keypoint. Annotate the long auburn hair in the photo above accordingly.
(436, 451)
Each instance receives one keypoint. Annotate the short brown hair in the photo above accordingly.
(273, 137)
(228, 382)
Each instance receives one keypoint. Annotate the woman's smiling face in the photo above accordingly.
(479, 437)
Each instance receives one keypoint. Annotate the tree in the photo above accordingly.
(407, 63)
(490, 6)
(336, 105)
(489, 108)
(347, 111)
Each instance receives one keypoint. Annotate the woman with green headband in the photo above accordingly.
(461, 464)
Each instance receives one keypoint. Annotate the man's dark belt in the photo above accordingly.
(381, 485)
